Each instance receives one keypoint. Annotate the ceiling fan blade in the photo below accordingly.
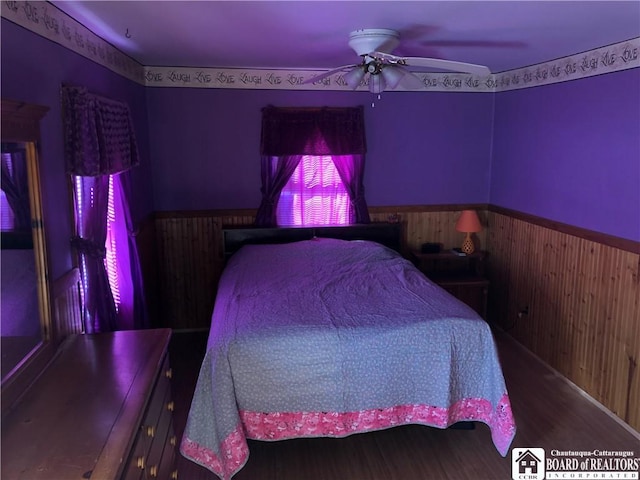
(324, 75)
(474, 43)
(448, 65)
(433, 62)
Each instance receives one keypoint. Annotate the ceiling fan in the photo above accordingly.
(386, 70)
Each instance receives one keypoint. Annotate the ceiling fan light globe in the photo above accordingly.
(354, 77)
(376, 83)
(392, 76)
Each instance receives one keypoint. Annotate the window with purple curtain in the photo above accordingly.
(91, 197)
(110, 264)
(132, 312)
(314, 195)
(296, 145)
(119, 255)
(100, 149)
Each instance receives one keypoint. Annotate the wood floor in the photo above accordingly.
(549, 414)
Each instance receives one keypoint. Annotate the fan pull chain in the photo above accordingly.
(373, 104)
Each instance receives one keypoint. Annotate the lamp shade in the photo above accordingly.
(468, 222)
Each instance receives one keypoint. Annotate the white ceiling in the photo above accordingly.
(502, 35)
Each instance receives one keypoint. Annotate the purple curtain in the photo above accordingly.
(312, 131)
(99, 141)
(289, 133)
(99, 138)
(133, 311)
(99, 311)
(15, 185)
(275, 172)
(351, 171)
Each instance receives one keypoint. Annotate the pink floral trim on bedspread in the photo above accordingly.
(286, 425)
(234, 450)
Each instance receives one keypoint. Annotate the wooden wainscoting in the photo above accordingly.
(189, 264)
(189, 261)
(145, 239)
(67, 314)
(431, 224)
(572, 298)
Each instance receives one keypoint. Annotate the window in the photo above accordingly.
(111, 245)
(7, 218)
(79, 188)
(104, 234)
(323, 149)
(314, 195)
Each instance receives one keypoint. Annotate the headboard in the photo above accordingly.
(388, 234)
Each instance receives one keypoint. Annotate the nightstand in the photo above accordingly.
(462, 276)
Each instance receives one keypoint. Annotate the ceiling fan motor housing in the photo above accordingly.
(369, 40)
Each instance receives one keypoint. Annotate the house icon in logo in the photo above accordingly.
(528, 462)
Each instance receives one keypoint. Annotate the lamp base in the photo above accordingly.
(467, 245)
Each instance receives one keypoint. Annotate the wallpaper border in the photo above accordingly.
(46, 20)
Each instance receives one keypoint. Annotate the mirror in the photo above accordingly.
(25, 316)
(20, 328)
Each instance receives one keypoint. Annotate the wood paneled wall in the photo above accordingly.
(434, 224)
(574, 302)
(189, 264)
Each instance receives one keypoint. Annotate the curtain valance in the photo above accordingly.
(312, 131)
(98, 134)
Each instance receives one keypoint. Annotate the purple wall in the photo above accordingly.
(33, 70)
(423, 148)
(570, 152)
(567, 152)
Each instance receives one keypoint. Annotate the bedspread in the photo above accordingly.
(329, 338)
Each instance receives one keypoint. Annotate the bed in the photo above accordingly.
(327, 337)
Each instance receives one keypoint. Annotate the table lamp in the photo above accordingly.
(468, 223)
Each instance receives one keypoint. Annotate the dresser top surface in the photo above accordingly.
(85, 398)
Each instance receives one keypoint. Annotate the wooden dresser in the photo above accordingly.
(101, 410)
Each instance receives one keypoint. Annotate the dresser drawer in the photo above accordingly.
(161, 445)
(156, 430)
(168, 469)
(157, 404)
